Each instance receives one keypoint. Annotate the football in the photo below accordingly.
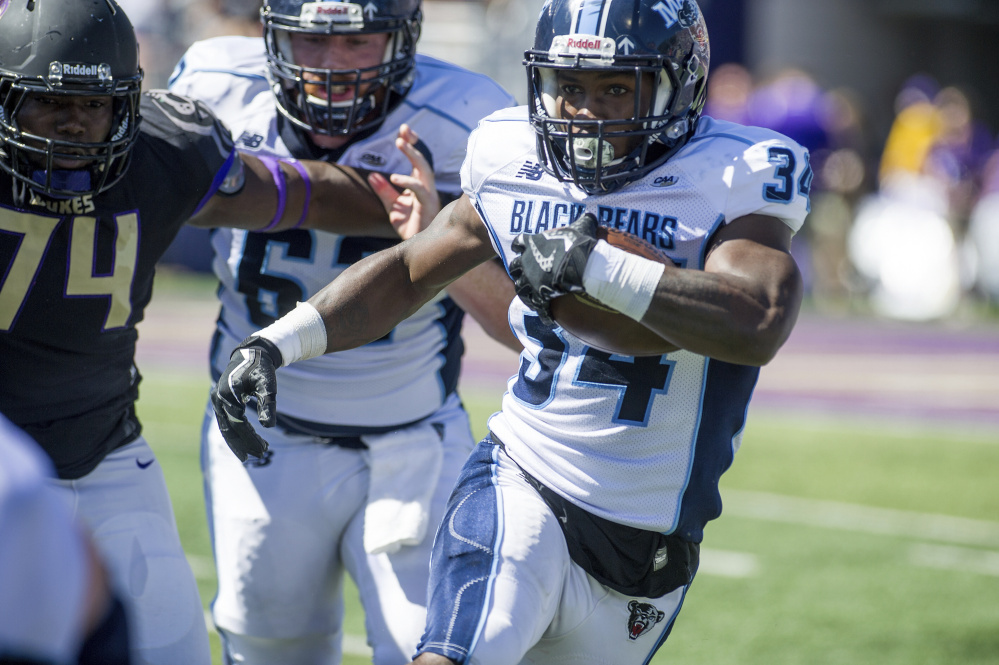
(604, 328)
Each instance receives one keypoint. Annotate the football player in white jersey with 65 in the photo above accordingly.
(573, 533)
(368, 443)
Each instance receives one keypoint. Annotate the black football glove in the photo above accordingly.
(551, 263)
(251, 373)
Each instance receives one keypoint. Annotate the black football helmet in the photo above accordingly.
(67, 47)
(401, 19)
(662, 42)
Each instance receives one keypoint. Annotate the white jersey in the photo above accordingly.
(403, 377)
(601, 429)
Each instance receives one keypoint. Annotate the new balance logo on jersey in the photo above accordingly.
(643, 617)
(531, 171)
(249, 140)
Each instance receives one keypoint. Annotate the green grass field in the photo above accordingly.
(843, 540)
(796, 571)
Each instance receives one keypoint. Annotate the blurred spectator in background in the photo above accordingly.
(213, 18)
(905, 241)
(913, 132)
(842, 178)
(829, 124)
(981, 246)
(157, 27)
(729, 88)
(958, 155)
(165, 28)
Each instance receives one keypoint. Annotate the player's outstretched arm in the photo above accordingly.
(366, 301)
(372, 296)
(270, 194)
(280, 194)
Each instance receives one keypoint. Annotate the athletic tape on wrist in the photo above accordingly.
(627, 282)
(274, 166)
(299, 335)
(308, 190)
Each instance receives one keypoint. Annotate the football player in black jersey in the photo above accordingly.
(96, 178)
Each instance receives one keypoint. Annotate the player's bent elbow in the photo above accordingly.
(762, 347)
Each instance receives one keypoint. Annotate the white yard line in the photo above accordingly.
(863, 519)
(726, 563)
(948, 557)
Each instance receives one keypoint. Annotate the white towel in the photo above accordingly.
(405, 466)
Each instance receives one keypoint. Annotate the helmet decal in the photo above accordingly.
(683, 12)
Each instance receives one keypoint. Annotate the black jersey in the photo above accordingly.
(78, 273)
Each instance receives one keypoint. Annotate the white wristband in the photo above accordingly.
(299, 335)
(621, 280)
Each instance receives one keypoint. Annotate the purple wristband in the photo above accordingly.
(274, 166)
(308, 190)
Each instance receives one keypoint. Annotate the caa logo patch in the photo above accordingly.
(643, 617)
(665, 181)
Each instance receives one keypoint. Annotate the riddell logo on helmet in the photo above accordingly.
(590, 47)
(332, 10)
(583, 44)
(80, 70)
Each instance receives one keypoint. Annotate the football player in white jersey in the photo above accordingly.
(367, 443)
(573, 533)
